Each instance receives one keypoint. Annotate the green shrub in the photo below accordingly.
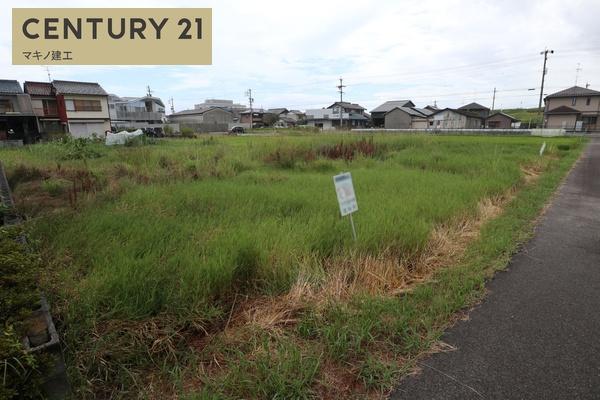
(78, 149)
(187, 132)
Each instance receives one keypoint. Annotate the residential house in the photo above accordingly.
(449, 118)
(228, 105)
(378, 113)
(136, 112)
(83, 106)
(45, 107)
(575, 108)
(400, 114)
(476, 109)
(352, 116)
(258, 117)
(286, 118)
(203, 120)
(17, 119)
(500, 120)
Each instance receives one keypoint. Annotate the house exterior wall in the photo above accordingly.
(498, 122)
(217, 116)
(102, 114)
(449, 120)
(397, 119)
(419, 123)
(566, 121)
(580, 103)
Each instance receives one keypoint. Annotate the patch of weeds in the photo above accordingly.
(141, 140)
(56, 187)
(563, 147)
(19, 270)
(165, 162)
(187, 132)
(276, 371)
(23, 173)
(78, 149)
(377, 374)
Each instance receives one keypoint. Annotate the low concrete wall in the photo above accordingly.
(483, 132)
(11, 143)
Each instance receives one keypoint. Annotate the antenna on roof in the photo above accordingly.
(587, 85)
(172, 106)
(149, 94)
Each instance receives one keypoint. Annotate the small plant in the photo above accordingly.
(168, 130)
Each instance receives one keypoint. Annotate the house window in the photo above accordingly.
(87, 105)
(5, 106)
(588, 101)
(69, 105)
(50, 107)
(574, 101)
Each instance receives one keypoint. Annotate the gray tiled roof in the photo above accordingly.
(563, 110)
(38, 88)
(345, 104)
(411, 111)
(513, 119)
(389, 105)
(473, 106)
(575, 91)
(72, 87)
(10, 87)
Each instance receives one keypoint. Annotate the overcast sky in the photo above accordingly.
(292, 53)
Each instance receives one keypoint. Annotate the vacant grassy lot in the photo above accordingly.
(220, 267)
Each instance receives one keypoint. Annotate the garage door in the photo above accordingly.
(86, 130)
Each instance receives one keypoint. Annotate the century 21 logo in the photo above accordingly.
(65, 28)
(112, 36)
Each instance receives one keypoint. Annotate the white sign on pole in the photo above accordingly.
(345, 193)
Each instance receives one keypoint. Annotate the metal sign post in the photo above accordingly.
(346, 197)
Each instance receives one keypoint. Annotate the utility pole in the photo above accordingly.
(577, 70)
(149, 91)
(341, 90)
(587, 85)
(545, 53)
(172, 106)
(48, 72)
(250, 100)
(494, 99)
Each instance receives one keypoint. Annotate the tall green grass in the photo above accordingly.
(195, 223)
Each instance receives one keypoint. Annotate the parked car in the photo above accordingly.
(236, 129)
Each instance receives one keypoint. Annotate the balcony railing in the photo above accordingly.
(139, 115)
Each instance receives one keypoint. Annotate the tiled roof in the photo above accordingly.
(410, 111)
(345, 104)
(10, 87)
(277, 110)
(459, 111)
(513, 119)
(38, 88)
(473, 106)
(390, 105)
(563, 110)
(575, 91)
(72, 87)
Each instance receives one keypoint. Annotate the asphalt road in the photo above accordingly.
(537, 333)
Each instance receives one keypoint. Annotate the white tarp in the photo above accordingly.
(121, 137)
